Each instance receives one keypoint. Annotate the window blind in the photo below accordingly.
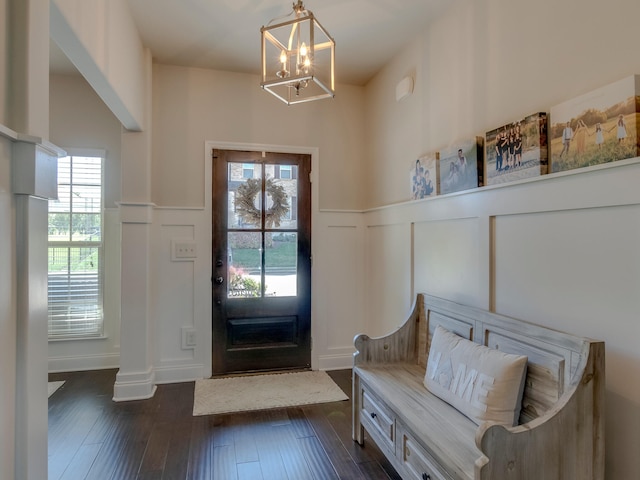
(75, 277)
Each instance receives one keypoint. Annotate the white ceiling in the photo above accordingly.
(225, 34)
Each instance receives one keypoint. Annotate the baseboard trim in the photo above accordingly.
(134, 386)
(335, 362)
(81, 363)
(179, 374)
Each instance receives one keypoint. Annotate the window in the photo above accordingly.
(285, 172)
(247, 170)
(76, 250)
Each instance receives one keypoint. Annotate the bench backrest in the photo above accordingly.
(555, 359)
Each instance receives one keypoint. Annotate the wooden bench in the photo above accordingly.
(560, 434)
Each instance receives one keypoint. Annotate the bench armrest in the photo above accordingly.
(566, 442)
(398, 346)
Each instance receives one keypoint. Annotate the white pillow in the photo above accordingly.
(483, 383)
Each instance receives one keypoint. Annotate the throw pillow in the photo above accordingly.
(482, 383)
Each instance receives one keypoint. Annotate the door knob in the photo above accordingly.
(219, 280)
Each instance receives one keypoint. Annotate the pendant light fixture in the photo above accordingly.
(298, 57)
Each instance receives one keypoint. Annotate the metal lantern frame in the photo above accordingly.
(298, 59)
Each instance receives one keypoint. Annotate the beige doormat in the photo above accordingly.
(53, 386)
(261, 392)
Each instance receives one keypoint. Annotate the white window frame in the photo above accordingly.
(73, 327)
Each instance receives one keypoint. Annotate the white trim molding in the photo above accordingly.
(134, 386)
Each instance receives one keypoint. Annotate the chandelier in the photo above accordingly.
(298, 57)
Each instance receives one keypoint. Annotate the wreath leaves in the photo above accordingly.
(246, 205)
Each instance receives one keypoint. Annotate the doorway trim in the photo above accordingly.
(208, 208)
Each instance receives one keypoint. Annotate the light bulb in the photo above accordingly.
(283, 58)
(307, 62)
(303, 50)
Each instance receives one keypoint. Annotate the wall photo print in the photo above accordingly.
(424, 177)
(461, 166)
(517, 150)
(598, 127)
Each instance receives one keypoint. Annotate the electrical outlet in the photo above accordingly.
(189, 338)
(183, 250)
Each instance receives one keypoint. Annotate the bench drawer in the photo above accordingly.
(416, 461)
(377, 414)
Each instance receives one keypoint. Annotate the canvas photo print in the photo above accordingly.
(424, 177)
(598, 127)
(517, 150)
(461, 166)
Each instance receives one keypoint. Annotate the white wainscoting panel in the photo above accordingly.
(182, 295)
(388, 273)
(447, 259)
(338, 288)
(576, 270)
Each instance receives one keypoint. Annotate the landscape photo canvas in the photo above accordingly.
(461, 166)
(598, 127)
(517, 150)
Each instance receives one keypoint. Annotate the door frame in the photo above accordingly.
(208, 211)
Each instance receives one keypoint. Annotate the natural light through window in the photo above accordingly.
(75, 249)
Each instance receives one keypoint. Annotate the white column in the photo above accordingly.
(136, 378)
(29, 68)
(34, 181)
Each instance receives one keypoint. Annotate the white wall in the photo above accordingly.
(80, 120)
(7, 269)
(8, 334)
(560, 250)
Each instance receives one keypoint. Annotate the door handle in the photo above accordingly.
(219, 280)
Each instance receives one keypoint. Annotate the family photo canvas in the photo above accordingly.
(461, 166)
(597, 127)
(517, 150)
(424, 177)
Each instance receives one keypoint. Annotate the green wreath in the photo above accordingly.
(246, 207)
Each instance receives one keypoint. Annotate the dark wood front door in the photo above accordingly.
(261, 261)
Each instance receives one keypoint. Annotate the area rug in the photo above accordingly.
(261, 392)
(53, 386)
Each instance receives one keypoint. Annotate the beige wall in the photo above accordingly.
(80, 120)
(484, 63)
(102, 41)
(191, 106)
(560, 250)
(4, 63)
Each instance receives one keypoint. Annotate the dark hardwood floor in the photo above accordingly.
(92, 437)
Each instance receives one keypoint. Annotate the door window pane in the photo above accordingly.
(245, 197)
(281, 198)
(281, 263)
(245, 264)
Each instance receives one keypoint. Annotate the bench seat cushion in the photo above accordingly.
(447, 434)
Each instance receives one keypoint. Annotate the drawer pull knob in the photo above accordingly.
(373, 415)
(426, 476)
